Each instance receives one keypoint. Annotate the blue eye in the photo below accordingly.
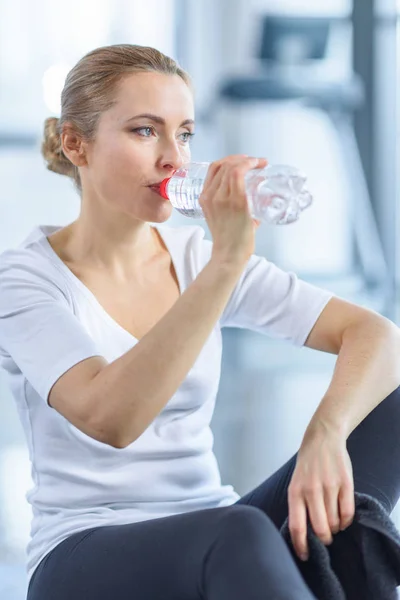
(138, 130)
(189, 136)
(143, 129)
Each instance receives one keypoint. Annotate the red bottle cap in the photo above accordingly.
(163, 188)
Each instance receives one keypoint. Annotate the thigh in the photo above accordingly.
(271, 495)
(226, 553)
(159, 559)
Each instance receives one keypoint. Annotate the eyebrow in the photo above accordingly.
(158, 120)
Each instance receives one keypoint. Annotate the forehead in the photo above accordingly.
(165, 95)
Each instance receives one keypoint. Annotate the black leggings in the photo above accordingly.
(227, 553)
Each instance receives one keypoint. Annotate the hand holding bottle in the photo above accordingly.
(224, 203)
(276, 194)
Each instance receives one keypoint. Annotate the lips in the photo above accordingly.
(161, 188)
(156, 189)
(156, 183)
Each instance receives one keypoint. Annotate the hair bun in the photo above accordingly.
(52, 149)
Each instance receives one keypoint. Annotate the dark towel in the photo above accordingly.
(362, 563)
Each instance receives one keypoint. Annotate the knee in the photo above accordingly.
(243, 522)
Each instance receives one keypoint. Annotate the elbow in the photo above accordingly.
(393, 339)
(391, 343)
(105, 428)
(101, 432)
(396, 352)
(118, 443)
(112, 437)
(111, 428)
(108, 437)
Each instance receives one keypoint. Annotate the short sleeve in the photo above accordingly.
(38, 329)
(271, 301)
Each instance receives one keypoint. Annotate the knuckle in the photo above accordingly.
(331, 486)
(294, 492)
(347, 516)
(237, 171)
(230, 160)
(312, 490)
(216, 164)
(204, 196)
(348, 484)
(346, 524)
(231, 157)
(322, 533)
(213, 169)
(294, 486)
(334, 525)
(240, 157)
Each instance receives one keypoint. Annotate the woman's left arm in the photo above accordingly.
(367, 370)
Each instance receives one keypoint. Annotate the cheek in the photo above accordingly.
(119, 162)
(112, 176)
(186, 154)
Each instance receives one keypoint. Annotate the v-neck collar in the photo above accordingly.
(49, 229)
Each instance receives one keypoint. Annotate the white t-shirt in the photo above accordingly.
(50, 321)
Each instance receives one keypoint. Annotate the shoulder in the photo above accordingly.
(25, 267)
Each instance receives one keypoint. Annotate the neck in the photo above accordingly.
(119, 245)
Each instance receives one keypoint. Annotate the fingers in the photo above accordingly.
(332, 508)
(215, 176)
(235, 177)
(318, 515)
(321, 514)
(328, 513)
(298, 523)
(216, 166)
(229, 174)
(322, 487)
(346, 505)
(235, 159)
(211, 185)
(332, 512)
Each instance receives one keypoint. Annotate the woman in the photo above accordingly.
(110, 333)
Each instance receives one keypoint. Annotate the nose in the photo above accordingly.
(172, 157)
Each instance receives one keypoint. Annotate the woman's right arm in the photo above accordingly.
(116, 402)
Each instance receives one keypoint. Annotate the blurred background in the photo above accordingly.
(310, 83)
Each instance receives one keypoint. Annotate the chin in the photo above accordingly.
(160, 218)
(161, 215)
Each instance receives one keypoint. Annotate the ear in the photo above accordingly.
(73, 145)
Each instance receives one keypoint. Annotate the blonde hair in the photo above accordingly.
(89, 90)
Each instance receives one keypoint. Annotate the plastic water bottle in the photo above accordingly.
(276, 193)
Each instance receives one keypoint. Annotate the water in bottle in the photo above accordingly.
(276, 193)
